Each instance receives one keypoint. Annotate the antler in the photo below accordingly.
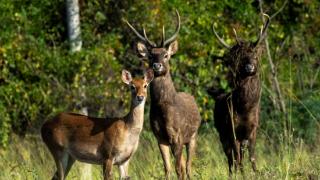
(163, 41)
(163, 37)
(220, 39)
(263, 30)
(144, 37)
(236, 35)
(174, 36)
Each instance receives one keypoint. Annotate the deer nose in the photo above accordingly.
(140, 98)
(249, 68)
(157, 66)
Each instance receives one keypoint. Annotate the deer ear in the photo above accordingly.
(126, 76)
(148, 76)
(142, 49)
(173, 48)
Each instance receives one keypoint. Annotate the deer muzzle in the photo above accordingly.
(157, 66)
(249, 68)
(140, 98)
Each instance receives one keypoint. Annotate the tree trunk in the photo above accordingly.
(73, 21)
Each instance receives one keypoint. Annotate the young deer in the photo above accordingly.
(174, 116)
(236, 114)
(106, 141)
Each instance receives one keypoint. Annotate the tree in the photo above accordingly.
(73, 21)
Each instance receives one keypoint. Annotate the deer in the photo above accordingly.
(106, 141)
(236, 114)
(174, 116)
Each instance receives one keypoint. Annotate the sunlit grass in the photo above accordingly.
(28, 158)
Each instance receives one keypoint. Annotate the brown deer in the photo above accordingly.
(105, 141)
(236, 114)
(174, 116)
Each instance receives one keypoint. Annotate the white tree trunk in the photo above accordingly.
(86, 169)
(73, 21)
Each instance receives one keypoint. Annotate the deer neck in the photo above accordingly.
(162, 89)
(247, 93)
(135, 117)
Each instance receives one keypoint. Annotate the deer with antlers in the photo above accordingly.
(236, 114)
(106, 141)
(174, 116)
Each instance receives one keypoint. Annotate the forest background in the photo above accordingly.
(40, 77)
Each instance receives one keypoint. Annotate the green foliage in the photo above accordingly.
(39, 77)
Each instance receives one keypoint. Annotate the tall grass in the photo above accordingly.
(28, 158)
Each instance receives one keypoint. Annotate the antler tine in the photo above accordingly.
(220, 39)
(263, 30)
(172, 38)
(236, 35)
(135, 31)
(163, 37)
(145, 39)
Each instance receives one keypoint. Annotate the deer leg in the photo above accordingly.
(252, 144)
(236, 153)
(107, 169)
(71, 161)
(228, 152)
(61, 160)
(59, 173)
(165, 154)
(183, 163)
(124, 170)
(243, 146)
(191, 147)
(177, 151)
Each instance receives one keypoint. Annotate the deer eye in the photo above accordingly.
(165, 56)
(145, 86)
(132, 87)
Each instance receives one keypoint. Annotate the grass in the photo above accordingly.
(28, 158)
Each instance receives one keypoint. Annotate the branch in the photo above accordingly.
(281, 8)
(272, 66)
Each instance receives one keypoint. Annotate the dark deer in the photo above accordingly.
(236, 114)
(174, 116)
(105, 141)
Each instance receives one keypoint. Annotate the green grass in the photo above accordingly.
(28, 158)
